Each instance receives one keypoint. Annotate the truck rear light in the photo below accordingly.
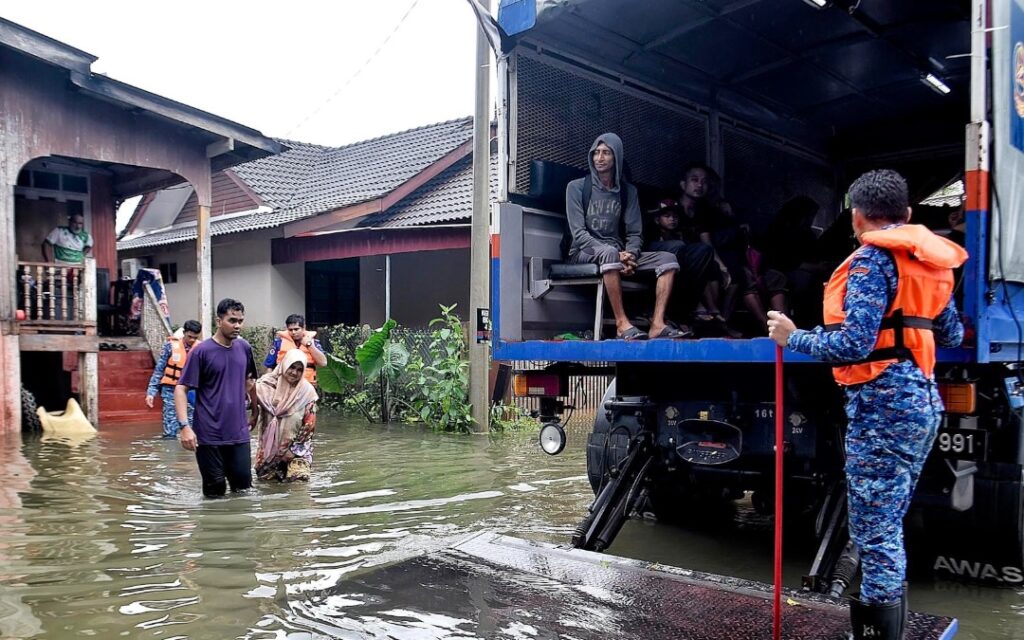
(959, 397)
(535, 384)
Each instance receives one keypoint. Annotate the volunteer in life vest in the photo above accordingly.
(295, 336)
(886, 308)
(167, 371)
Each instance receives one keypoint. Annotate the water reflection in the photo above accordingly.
(111, 537)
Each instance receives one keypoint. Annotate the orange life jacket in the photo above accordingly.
(924, 266)
(287, 344)
(175, 363)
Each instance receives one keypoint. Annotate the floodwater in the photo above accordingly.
(110, 538)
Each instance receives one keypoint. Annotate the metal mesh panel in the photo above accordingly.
(560, 114)
(585, 395)
(758, 177)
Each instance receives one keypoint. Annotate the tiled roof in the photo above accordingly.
(310, 179)
(446, 198)
(221, 225)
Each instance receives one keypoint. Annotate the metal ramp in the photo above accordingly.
(495, 586)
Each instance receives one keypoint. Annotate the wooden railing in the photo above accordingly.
(58, 297)
(153, 326)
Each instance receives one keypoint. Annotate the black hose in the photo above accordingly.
(846, 569)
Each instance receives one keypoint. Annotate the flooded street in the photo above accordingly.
(110, 538)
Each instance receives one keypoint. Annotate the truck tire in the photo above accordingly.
(29, 417)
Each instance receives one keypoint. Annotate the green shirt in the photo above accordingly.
(69, 247)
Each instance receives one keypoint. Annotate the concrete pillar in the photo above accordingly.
(10, 355)
(88, 363)
(204, 269)
(10, 384)
(88, 370)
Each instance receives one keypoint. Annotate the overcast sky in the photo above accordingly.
(288, 69)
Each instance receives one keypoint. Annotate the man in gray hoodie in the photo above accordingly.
(607, 231)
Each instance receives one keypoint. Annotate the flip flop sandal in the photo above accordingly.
(668, 333)
(631, 334)
(685, 330)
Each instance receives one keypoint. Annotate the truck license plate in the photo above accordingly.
(962, 444)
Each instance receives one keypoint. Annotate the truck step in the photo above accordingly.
(560, 592)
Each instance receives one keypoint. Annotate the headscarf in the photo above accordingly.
(280, 399)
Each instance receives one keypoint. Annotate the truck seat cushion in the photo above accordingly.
(564, 271)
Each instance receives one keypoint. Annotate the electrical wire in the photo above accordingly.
(355, 75)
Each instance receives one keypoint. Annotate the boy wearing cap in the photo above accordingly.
(698, 266)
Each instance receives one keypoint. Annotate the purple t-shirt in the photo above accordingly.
(218, 375)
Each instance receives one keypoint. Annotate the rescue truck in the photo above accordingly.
(782, 98)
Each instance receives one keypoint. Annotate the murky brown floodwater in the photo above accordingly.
(110, 538)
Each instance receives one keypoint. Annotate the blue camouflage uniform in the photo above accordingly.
(166, 393)
(893, 420)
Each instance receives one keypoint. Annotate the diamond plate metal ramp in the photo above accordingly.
(494, 586)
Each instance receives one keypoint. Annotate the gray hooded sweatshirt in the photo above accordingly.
(599, 225)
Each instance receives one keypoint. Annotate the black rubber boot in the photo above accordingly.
(876, 621)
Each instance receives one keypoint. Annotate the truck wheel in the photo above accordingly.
(29, 418)
(604, 449)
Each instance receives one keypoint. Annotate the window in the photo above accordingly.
(46, 180)
(169, 272)
(75, 184)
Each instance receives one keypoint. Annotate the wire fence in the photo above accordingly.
(585, 394)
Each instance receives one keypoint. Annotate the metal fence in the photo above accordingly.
(585, 395)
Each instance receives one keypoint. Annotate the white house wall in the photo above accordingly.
(287, 292)
(241, 270)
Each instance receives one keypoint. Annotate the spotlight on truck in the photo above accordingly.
(552, 438)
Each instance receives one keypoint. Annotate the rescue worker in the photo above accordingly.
(167, 372)
(886, 308)
(295, 336)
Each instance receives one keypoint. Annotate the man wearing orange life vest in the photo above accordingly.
(295, 336)
(168, 370)
(886, 308)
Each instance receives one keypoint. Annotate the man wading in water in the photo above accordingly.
(219, 370)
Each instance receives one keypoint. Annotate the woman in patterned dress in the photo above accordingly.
(287, 421)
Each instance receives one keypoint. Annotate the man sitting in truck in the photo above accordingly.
(603, 211)
(718, 227)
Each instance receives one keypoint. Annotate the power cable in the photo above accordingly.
(355, 75)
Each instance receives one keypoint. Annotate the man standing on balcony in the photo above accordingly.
(70, 244)
(167, 372)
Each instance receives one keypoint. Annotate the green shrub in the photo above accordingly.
(395, 374)
(261, 337)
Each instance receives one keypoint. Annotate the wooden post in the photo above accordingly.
(88, 363)
(204, 269)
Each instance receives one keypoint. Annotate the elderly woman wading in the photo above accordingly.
(287, 421)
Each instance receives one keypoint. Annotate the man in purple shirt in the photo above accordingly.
(219, 371)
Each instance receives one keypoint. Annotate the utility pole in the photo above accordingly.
(480, 246)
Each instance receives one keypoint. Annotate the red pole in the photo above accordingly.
(777, 606)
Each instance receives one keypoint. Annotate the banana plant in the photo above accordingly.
(378, 356)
